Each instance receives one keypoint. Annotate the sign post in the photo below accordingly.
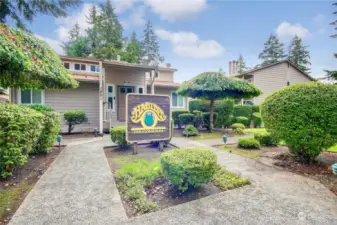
(148, 118)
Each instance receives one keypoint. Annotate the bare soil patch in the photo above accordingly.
(14, 189)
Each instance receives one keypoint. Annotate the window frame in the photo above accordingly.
(81, 64)
(114, 95)
(97, 69)
(177, 107)
(19, 99)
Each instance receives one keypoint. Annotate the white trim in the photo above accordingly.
(114, 96)
(177, 107)
(18, 99)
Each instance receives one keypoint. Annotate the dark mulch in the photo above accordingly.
(317, 170)
(165, 194)
(26, 176)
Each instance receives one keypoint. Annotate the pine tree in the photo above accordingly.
(133, 52)
(78, 48)
(273, 51)
(92, 32)
(74, 33)
(332, 74)
(299, 54)
(242, 65)
(109, 29)
(19, 10)
(150, 47)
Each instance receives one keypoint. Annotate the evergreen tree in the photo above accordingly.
(133, 52)
(151, 47)
(273, 51)
(92, 32)
(299, 54)
(19, 10)
(242, 64)
(332, 74)
(75, 32)
(79, 47)
(109, 30)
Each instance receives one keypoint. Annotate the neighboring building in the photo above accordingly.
(4, 95)
(103, 86)
(271, 78)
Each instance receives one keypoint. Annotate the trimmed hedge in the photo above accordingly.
(238, 125)
(41, 108)
(189, 167)
(249, 143)
(206, 117)
(118, 136)
(255, 108)
(186, 118)
(190, 130)
(243, 110)
(20, 129)
(224, 109)
(243, 120)
(198, 121)
(257, 119)
(265, 138)
(74, 117)
(304, 115)
(199, 105)
(175, 116)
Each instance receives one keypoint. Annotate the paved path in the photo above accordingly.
(78, 188)
(274, 197)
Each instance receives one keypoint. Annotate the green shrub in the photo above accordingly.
(199, 105)
(257, 120)
(243, 110)
(74, 117)
(206, 121)
(20, 128)
(143, 206)
(255, 108)
(304, 115)
(237, 125)
(41, 108)
(243, 120)
(186, 118)
(197, 119)
(224, 109)
(248, 143)
(175, 117)
(190, 130)
(189, 167)
(265, 138)
(240, 131)
(118, 136)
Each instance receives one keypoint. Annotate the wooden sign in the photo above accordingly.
(148, 117)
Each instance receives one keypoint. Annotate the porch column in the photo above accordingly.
(101, 89)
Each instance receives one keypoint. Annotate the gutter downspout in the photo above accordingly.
(101, 89)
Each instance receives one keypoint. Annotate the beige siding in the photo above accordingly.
(296, 76)
(167, 91)
(165, 76)
(85, 98)
(269, 80)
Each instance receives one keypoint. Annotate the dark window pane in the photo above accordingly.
(174, 99)
(140, 90)
(77, 66)
(83, 67)
(110, 101)
(129, 90)
(67, 65)
(26, 97)
(110, 89)
(93, 68)
(122, 90)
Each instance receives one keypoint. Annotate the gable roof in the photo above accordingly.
(274, 64)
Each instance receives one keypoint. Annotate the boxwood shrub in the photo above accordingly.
(175, 116)
(118, 136)
(206, 121)
(20, 128)
(74, 117)
(255, 108)
(224, 109)
(304, 115)
(257, 120)
(190, 130)
(265, 138)
(189, 167)
(199, 105)
(198, 121)
(186, 118)
(238, 125)
(243, 120)
(248, 143)
(243, 110)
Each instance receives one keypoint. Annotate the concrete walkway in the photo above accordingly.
(274, 197)
(78, 188)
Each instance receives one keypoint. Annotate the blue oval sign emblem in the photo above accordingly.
(149, 119)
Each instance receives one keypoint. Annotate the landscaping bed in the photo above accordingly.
(205, 134)
(15, 188)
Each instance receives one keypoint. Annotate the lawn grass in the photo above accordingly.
(203, 136)
(10, 198)
(254, 130)
(226, 180)
(333, 149)
(253, 154)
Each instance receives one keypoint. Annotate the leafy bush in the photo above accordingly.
(243, 110)
(304, 115)
(118, 136)
(143, 206)
(187, 167)
(20, 128)
(237, 125)
(224, 109)
(199, 105)
(175, 116)
(265, 138)
(190, 130)
(205, 118)
(257, 120)
(239, 130)
(248, 143)
(255, 108)
(243, 120)
(41, 108)
(197, 119)
(74, 117)
(186, 118)
(226, 180)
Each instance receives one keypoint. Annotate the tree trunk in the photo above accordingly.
(211, 116)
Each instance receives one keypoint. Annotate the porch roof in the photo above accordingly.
(159, 83)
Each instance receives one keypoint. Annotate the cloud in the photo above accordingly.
(286, 31)
(319, 19)
(54, 44)
(188, 44)
(66, 23)
(136, 18)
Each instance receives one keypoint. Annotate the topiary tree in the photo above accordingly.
(304, 115)
(186, 118)
(224, 108)
(29, 63)
(243, 120)
(257, 120)
(175, 116)
(190, 130)
(74, 117)
(213, 86)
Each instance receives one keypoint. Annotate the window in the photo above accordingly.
(31, 97)
(83, 67)
(94, 68)
(129, 90)
(110, 97)
(140, 90)
(66, 65)
(177, 100)
(78, 66)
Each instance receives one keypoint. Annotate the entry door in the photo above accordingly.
(122, 92)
